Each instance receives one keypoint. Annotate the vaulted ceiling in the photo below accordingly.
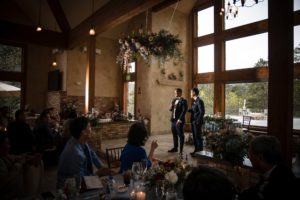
(72, 17)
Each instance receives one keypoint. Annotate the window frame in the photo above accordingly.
(17, 76)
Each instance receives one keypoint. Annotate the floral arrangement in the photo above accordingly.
(227, 142)
(168, 173)
(162, 45)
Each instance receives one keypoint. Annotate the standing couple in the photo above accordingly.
(178, 110)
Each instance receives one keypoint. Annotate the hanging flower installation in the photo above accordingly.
(162, 45)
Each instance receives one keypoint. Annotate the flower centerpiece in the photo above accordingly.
(170, 174)
(227, 142)
(162, 45)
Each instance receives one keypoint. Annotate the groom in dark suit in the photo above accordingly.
(178, 109)
(197, 113)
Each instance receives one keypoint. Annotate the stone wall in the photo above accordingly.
(57, 100)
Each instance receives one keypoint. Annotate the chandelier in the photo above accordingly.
(232, 9)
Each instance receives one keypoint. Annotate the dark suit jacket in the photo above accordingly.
(281, 184)
(197, 111)
(180, 111)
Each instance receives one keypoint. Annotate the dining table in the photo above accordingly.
(134, 191)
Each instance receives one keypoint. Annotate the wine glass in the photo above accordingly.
(144, 166)
(136, 170)
(160, 190)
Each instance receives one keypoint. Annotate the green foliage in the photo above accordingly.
(10, 58)
(162, 45)
(207, 95)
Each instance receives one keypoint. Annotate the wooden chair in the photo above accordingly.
(113, 156)
(246, 123)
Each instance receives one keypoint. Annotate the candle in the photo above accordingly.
(140, 195)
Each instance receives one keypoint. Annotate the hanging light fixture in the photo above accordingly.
(55, 52)
(92, 31)
(39, 27)
(232, 9)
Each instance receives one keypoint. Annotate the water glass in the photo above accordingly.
(171, 194)
(136, 170)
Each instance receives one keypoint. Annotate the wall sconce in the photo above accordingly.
(55, 52)
(83, 49)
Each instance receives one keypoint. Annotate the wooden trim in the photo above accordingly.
(240, 75)
(27, 34)
(204, 40)
(246, 30)
(164, 5)
(110, 15)
(92, 68)
(59, 15)
(297, 70)
(297, 18)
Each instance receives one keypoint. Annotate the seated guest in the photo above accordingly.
(77, 159)
(277, 181)
(207, 183)
(133, 150)
(20, 136)
(14, 178)
(43, 133)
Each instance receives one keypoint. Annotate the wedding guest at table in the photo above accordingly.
(5, 119)
(277, 181)
(77, 158)
(45, 139)
(66, 133)
(20, 135)
(134, 150)
(178, 109)
(207, 183)
(197, 113)
(16, 179)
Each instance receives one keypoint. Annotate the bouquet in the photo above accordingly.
(168, 173)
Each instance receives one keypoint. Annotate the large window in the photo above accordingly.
(205, 21)
(297, 104)
(247, 14)
(207, 95)
(246, 52)
(249, 99)
(296, 5)
(12, 72)
(10, 58)
(206, 58)
(129, 91)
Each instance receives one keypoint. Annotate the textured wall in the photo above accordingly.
(39, 61)
(162, 94)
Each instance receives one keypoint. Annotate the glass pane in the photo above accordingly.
(206, 59)
(247, 99)
(207, 95)
(131, 67)
(297, 104)
(246, 52)
(10, 58)
(251, 12)
(296, 44)
(206, 21)
(10, 93)
(130, 97)
(296, 5)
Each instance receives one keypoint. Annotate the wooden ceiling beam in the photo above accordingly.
(163, 5)
(110, 15)
(27, 34)
(59, 15)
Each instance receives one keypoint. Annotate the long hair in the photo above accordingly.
(137, 134)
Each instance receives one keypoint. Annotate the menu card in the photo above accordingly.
(92, 182)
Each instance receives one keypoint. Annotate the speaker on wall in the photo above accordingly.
(54, 80)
